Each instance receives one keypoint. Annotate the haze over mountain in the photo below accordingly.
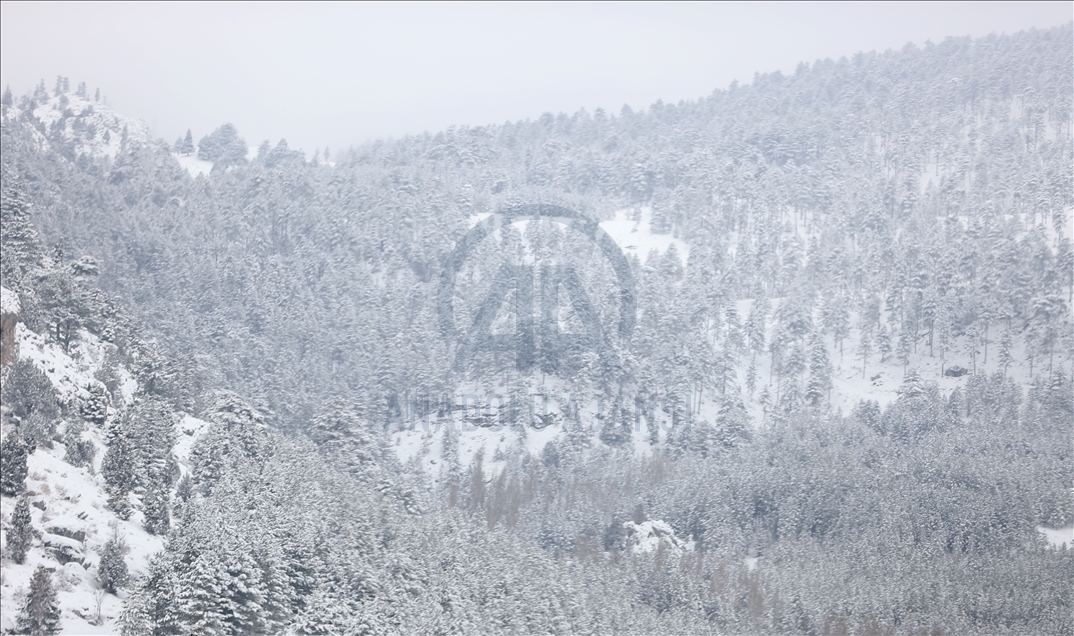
(844, 403)
(341, 75)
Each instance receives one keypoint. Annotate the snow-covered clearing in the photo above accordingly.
(193, 165)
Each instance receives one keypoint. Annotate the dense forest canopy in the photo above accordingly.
(912, 206)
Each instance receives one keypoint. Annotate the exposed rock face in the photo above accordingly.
(68, 527)
(649, 535)
(9, 317)
(65, 549)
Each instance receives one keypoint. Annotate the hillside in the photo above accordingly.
(800, 362)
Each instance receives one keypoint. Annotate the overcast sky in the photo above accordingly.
(335, 75)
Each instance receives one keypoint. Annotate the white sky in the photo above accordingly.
(336, 75)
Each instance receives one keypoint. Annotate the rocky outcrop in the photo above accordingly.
(9, 317)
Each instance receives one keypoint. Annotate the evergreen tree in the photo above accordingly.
(223, 146)
(345, 438)
(94, 405)
(27, 391)
(21, 534)
(185, 145)
(79, 452)
(755, 325)
(12, 465)
(904, 346)
(615, 426)
(836, 320)
(732, 421)
(119, 471)
(152, 607)
(865, 349)
(112, 571)
(155, 507)
(883, 343)
(1006, 350)
(819, 385)
(20, 248)
(41, 614)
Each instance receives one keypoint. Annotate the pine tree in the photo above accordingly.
(865, 349)
(156, 509)
(223, 146)
(342, 436)
(912, 385)
(765, 400)
(732, 421)
(41, 614)
(903, 346)
(20, 248)
(751, 378)
(94, 405)
(21, 535)
(12, 465)
(152, 608)
(151, 425)
(79, 452)
(970, 344)
(837, 322)
(27, 391)
(755, 325)
(819, 385)
(118, 469)
(112, 571)
(185, 145)
(883, 343)
(1006, 350)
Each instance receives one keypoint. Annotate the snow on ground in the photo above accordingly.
(68, 504)
(637, 238)
(421, 441)
(73, 500)
(9, 301)
(1061, 538)
(101, 132)
(193, 165)
(188, 429)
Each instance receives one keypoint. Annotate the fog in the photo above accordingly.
(330, 75)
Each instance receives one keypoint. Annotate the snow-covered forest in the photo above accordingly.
(845, 406)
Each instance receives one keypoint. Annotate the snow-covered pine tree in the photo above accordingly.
(223, 146)
(756, 324)
(343, 437)
(156, 508)
(185, 145)
(152, 607)
(94, 405)
(118, 467)
(819, 385)
(732, 421)
(883, 343)
(12, 465)
(21, 252)
(78, 451)
(28, 392)
(41, 614)
(865, 349)
(904, 346)
(112, 573)
(21, 534)
(1006, 350)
